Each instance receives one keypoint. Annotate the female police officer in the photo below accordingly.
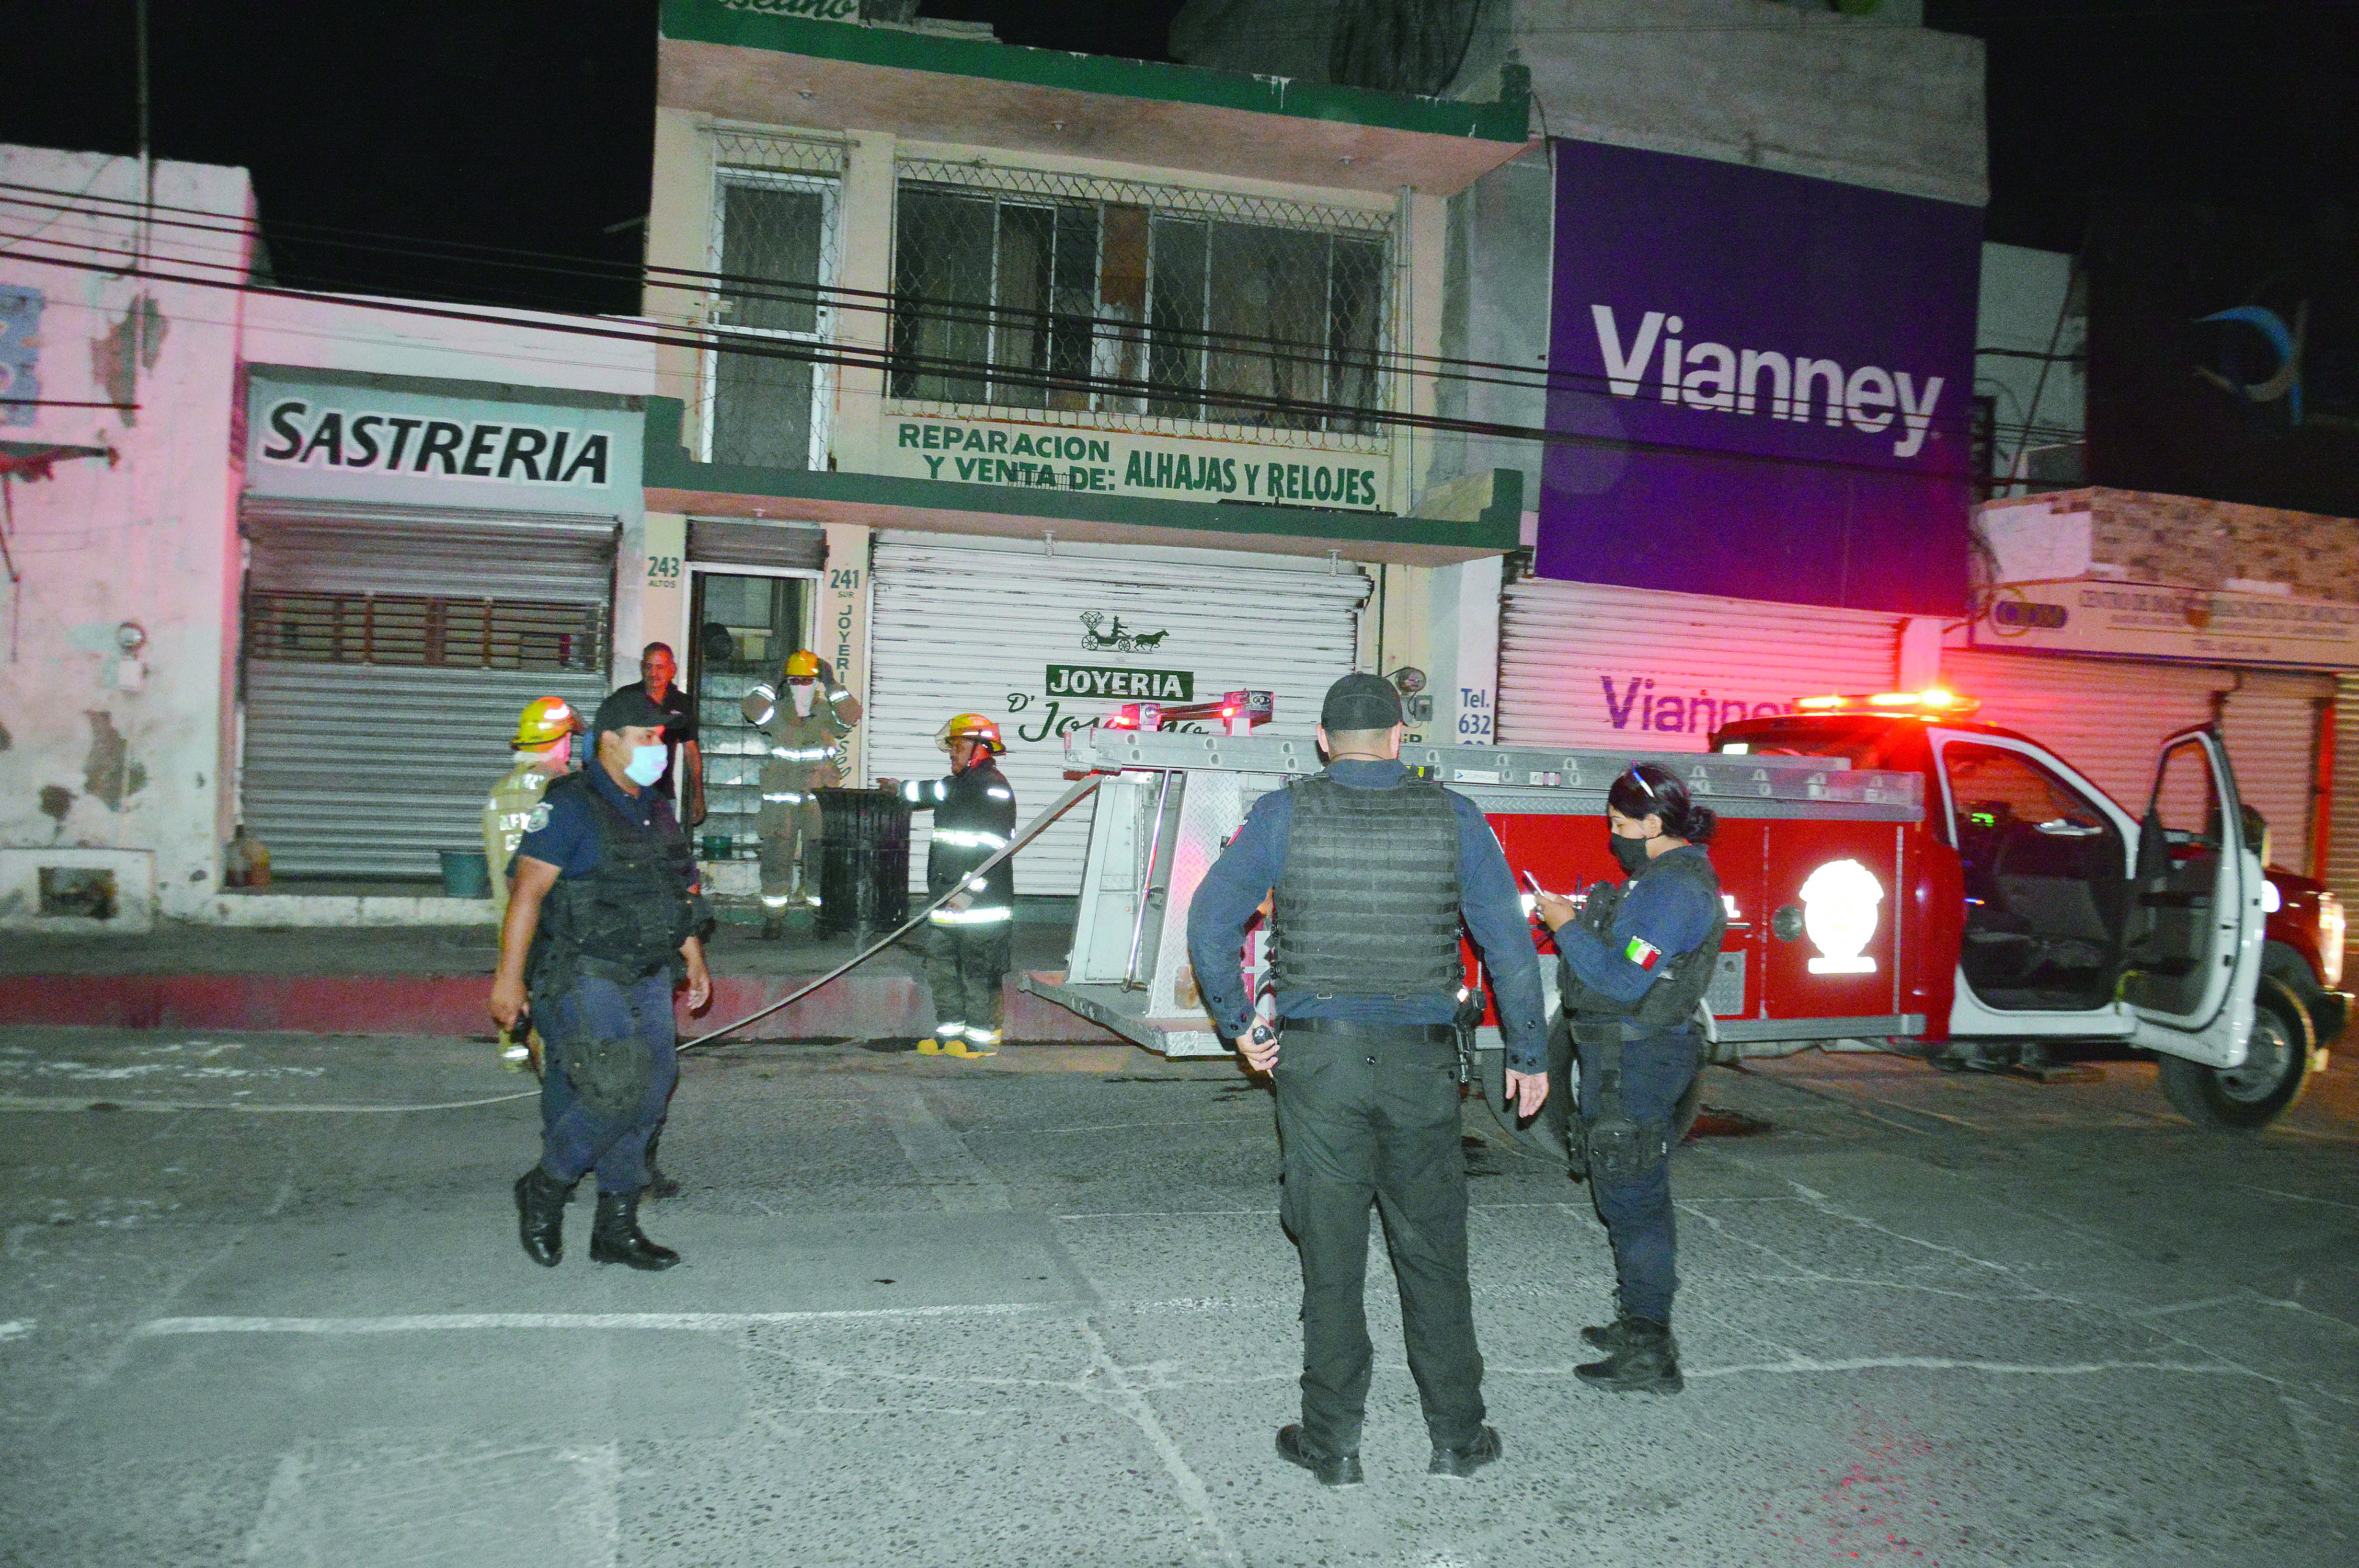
(1637, 961)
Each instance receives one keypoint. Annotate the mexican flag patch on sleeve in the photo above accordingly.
(1642, 952)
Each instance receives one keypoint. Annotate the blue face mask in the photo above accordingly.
(645, 766)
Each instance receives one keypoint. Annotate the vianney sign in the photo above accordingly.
(1117, 462)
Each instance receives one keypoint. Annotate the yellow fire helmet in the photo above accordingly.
(547, 719)
(802, 665)
(971, 727)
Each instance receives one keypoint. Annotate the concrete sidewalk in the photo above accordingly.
(434, 981)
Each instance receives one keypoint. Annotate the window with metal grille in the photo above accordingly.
(1031, 291)
(775, 220)
(423, 630)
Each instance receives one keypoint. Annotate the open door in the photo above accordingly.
(2194, 961)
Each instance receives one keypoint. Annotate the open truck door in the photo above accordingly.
(2193, 966)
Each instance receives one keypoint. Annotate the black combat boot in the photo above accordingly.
(616, 1237)
(1647, 1362)
(1611, 1336)
(540, 1217)
(1332, 1470)
(1463, 1459)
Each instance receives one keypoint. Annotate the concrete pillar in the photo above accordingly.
(839, 629)
(651, 593)
(867, 263)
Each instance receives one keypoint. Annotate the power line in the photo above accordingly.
(885, 361)
(751, 287)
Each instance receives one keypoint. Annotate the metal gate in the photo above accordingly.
(1050, 643)
(1587, 664)
(2108, 717)
(385, 652)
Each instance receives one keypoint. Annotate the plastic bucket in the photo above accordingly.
(466, 873)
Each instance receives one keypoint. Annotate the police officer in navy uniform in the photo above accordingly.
(1638, 958)
(604, 923)
(1371, 872)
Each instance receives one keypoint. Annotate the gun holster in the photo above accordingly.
(1613, 1146)
(1468, 1019)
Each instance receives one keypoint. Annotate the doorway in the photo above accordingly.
(744, 623)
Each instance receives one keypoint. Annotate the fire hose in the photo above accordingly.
(1032, 830)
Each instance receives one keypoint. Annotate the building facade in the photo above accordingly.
(284, 563)
(1029, 384)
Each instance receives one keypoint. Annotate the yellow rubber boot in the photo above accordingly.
(941, 1041)
(972, 1045)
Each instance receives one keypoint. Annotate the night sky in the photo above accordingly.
(525, 123)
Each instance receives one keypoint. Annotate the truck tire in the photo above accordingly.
(2246, 1098)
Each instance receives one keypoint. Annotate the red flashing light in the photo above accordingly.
(1931, 703)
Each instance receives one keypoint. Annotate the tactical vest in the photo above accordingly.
(1671, 1002)
(627, 918)
(1367, 903)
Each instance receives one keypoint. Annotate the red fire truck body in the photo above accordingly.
(1896, 878)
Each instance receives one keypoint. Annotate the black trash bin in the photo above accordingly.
(863, 871)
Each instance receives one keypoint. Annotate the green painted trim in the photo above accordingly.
(709, 22)
(1504, 518)
(666, 466)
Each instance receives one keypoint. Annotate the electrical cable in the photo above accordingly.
(749, 288)
(886, 361)
(1062, 803)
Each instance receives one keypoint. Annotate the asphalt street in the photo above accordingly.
(263, 1305)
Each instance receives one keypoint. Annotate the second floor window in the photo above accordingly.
(1138, 301)
(774, 244)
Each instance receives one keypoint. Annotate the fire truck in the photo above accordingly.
(1899, 878)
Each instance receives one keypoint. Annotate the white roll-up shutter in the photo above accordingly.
(2108, 718)
(962, 627)
(2272, 729)
(1588, 665)
(2105, 717)
(2341, 871)
(386, 652)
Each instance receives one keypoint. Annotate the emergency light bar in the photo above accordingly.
(1237, 711)
(1931, 703)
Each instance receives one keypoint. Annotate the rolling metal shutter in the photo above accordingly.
(2105, 717)
(2342, 820)
(972, 628)
(800, 546)
(363, 760)
(2108, 717)
(1588, 665)
(2272, 728)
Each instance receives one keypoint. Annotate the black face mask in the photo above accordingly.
(1630, 854)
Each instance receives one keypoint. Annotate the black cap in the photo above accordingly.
(1360, 702)
(629, 706)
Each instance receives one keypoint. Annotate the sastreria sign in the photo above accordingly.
(1762, 384)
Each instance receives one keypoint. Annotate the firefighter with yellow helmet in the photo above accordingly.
(543, 751)
(966, 957)
(806, 723)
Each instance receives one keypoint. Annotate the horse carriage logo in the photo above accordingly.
(1116, 638)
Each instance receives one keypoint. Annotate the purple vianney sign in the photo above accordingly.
(1768, 380)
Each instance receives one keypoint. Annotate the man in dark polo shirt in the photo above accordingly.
(659, 682)
(603, 923)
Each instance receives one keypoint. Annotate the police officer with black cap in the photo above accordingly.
(604, 922)
(1372, 873)
(1638, 958)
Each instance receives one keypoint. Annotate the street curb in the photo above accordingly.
(877, 1006)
